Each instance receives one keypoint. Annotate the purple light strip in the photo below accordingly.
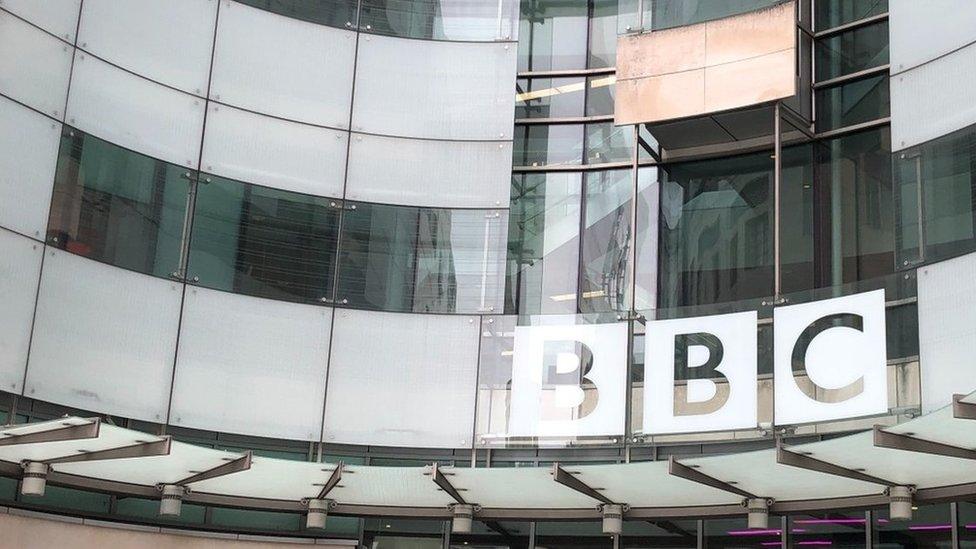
(815, 542)
(831, 521)
(754, 532)
(931, 527)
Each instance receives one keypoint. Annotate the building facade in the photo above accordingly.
(396, 233)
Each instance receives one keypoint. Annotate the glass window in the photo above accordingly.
(853, 102)
(600, 92)
(936, 185)
(852, 51)
(603, 34)
(549, 97)
(673, 534)
(265, 242)
(733, 533)
(335, 13)
(494, 535)
(117, 206)
(70, 498)
(834, 13)
(400, 534)
(548, 145)
(666, 14)
(255, 520)
(608, 143)
(571, 535)
(438, 19)
(839, 530)
(552, 35)
(148, 509)
(930, 528)
(967, 525)
(404, 258)
(543, 247)
(606, 241)
(857, 207)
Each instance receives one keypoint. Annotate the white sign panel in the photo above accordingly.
(840, 345)
(569, 380)
(700, 374)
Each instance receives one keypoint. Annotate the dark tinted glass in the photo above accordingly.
(404, 258)
(264, 242)
(548, 144)
(936, 186)
(543, 247)
(117, 206)
(733, 533)
(606, 241)
(840, 530)
(665, 14)
(833, 13)
(335, 13)
(600, 92)
(437, 19)
(852, 51)
(603, 34)
(930, 528)
(552, 35)
(549, 97)
(853, 103)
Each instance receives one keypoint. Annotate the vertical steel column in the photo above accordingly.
(786, 540)
(920, 204)
(954, 520)
(777, 181)
(532, 535)
(869, 529)
(631, 286)
(701, 534)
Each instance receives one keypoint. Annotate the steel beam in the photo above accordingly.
(694, 475)
(804, 461)
(440, 479)
(139, 450)
(568, 480)
(333, 481)
(907, 442)
(962, 410)
(232, 466)
(65, 431)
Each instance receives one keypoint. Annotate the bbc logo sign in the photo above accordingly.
(700, 374)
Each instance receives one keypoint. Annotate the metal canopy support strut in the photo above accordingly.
(67, 431)
(333, 481)
(567, 479)
(804, 461)
(689, 473)
(895, 441)
(237, 465)
(962, 410)
(139, 450)
(440, 479)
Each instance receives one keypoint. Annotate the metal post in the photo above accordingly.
(869, 529)
(954, 520)
(777, 181)
(920, 204)
(701, 534)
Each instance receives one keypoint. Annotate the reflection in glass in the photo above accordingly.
(549, 97)
(674, 534)
(930, 527)
(334, 13)
(840, 530)
(852, 51)
(853, 103)
(734, 534)
(606, 241)
(543, 247)
(936, 185)
(404, 258)
(666, 14)
(548, 145)
(833, 13)
(603, 34)
(501, 535)
(571, 535)
(439, 19)
(552, 35)
(117, 206)
(608, 143)
(264, 242)
(600, 92)
(967, 524)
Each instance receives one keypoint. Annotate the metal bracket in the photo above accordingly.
(333, 481)
(567, 479)
(441, 481)
(139, 450)
(907, 442)
(237, 465)
(690, 473)
(962, 410)
(804, 461)
(67, 431)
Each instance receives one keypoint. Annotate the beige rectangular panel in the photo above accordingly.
(708, 67)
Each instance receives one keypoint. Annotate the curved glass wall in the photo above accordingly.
(834, 13)
(440, 19)
(335, 13)
(852, 51)
(666, 14)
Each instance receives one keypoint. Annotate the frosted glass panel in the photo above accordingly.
(169, 41)
(34, 67)
(402, 379)
(455, 90)
(947, 330)
(20, 265)
(282, 66)
(104, 338)
(933, 99)
(275, 153)
(250, 365)
(135, 113)
(423, 172)
(28, 154)
(922, 31)
(59, 17)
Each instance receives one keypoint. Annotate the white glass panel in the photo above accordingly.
(104, 338)
(20, 264)
(933, 99)
(454, 90)
(922, 31)
(282, 66)
(422, 172)
(265, 377)
(58, 17)
(947, 330)
(135, 113)
(272, 152)
(399, 379)
(34, 67)
(169, 41)
(28, 155)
